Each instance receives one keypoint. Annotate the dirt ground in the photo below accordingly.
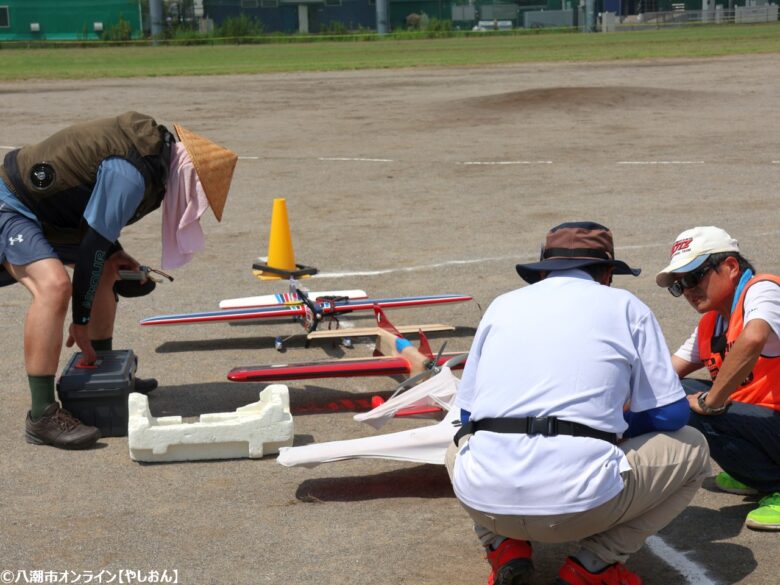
(392, 172)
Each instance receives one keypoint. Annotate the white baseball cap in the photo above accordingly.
(692, 248)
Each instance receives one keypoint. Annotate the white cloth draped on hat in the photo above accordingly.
(183, 205)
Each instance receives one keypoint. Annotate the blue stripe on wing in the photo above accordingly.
(225, 315)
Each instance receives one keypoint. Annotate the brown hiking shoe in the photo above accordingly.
(59, 428)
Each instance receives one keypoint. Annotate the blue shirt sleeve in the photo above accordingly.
(669, 417)
(119, 190)
(8, 199)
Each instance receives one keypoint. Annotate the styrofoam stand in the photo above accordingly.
(252, 431)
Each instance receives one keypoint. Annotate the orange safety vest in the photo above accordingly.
(762, 386)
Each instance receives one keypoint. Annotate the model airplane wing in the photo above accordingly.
(392, 303)
(257, 313)
(435, 394)
(343, 368)
(426, 444)
(297, 308)
(287, 298)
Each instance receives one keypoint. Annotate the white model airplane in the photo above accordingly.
(426, 444)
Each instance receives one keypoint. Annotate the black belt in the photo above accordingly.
(547, 426)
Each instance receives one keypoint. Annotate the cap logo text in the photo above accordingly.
(680, 245)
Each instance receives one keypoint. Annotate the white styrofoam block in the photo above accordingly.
(253, 430)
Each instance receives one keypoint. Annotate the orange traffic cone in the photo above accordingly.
(281, 257)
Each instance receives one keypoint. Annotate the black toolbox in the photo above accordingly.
(97, 395)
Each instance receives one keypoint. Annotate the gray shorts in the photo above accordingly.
(22, 242)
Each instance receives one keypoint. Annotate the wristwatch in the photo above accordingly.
(708, 410)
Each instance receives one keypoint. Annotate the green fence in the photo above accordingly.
(67, 19)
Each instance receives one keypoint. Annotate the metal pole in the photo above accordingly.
(590, 16)
(156, 19)
(381, 17)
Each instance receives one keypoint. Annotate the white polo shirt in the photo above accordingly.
(565, 347)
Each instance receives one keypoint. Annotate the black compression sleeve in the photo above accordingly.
(93, 252)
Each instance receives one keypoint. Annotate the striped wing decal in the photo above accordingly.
(287, 298)
(226, 315)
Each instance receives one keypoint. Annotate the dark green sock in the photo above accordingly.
(42, 393)
(102, 344)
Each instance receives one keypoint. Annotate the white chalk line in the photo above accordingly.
(693, 573)
(476, 162)
(660, 162)
(355, 159)
(513, 258)
(498, 162)
(411, 268)
(505, 162)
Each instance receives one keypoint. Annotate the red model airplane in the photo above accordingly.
(386, 361)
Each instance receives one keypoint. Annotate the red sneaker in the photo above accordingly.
(573, 573)
(511, 563)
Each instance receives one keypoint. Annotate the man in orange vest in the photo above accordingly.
(738, 341)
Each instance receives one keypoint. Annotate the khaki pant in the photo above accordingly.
(666, 470)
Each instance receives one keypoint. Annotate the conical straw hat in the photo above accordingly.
(214, 165)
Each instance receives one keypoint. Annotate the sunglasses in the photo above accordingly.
(690, 279)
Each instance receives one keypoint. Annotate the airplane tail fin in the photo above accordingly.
(384, 323)
(385, 342)
(425, 347)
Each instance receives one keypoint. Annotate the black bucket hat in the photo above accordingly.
(574, 245)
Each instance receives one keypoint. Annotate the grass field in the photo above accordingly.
(134, 61)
